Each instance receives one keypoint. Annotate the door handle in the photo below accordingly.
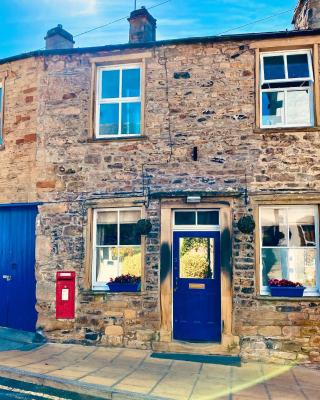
(7, 277)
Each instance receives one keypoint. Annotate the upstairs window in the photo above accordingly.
(118, 110)
(286, 89)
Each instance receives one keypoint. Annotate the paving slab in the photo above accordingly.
(123, 374)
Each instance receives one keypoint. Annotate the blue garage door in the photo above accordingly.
(17, 267)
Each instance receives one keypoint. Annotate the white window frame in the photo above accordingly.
(196, 227)
(97, 285)
(284, 54)
(286, 90)
(120, 100)
(309, 79)
(264, 290)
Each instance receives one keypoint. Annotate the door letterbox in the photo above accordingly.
(65, 294)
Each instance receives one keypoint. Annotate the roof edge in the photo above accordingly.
(168, 42)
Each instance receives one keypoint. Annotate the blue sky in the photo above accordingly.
(25, 22)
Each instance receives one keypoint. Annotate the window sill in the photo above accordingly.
(294, 299)
(120, 139)
(288, 129)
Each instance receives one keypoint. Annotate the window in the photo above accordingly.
(286, 89)
(116, 245)
(199, 218)
(118, 110)
(289, 246)
(1, 113)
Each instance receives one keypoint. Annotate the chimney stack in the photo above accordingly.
(58, 38)
(307, 15)
(142, 26)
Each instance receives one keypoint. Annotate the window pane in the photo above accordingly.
(297, 265)
(272, 108)
(274, 227)
(130, 260)
(131, 115)
(107, 264)
(128, 232)
(131, 82)
(302, 227)
(110, 84)
(208, 217)
(298, 107)
(298, 66)
(106, 228)
(109, 119)
(196, 258)
(273, 68)
(185, 218)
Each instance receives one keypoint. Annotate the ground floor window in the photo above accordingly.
(289, 246)
(116, 245)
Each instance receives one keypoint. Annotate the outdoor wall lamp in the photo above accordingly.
(193, 199)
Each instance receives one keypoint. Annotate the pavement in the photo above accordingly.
(122, 374)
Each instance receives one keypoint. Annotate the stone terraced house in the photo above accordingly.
(201, 137)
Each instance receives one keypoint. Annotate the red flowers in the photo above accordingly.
(283, 283)
(126, 279)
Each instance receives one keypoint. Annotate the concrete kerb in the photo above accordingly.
(104, 392)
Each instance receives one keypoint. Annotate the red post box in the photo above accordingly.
(65, 294)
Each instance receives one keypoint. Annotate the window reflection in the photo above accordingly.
(118, 245)
(297, 265)
(289, 247)
(196, 258)
(274, 227)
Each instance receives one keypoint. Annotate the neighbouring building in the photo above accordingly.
(200, 136)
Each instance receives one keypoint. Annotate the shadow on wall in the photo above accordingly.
(165, 261)
(226, 251)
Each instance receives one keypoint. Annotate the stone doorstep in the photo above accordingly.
(101, 391)
(229, 346)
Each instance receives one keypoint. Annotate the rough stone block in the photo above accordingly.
(113, 330)
(270, 331)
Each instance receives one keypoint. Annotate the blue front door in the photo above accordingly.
(196, 286)
(17, 267)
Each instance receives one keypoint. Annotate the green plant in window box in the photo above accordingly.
(144, 227)
(125, 283)
(246, 224)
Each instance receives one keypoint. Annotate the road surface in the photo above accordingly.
(17, 390)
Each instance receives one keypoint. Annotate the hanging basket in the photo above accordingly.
(144, 227)
(246, 224)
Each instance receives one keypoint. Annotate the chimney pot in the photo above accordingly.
(58, 38)
(142, 26)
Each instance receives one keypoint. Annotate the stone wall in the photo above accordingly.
(196, 95)
(18, 153)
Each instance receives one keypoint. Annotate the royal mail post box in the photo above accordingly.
(65, 294)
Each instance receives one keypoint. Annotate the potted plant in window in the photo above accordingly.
(285, 288)
(125, 283)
